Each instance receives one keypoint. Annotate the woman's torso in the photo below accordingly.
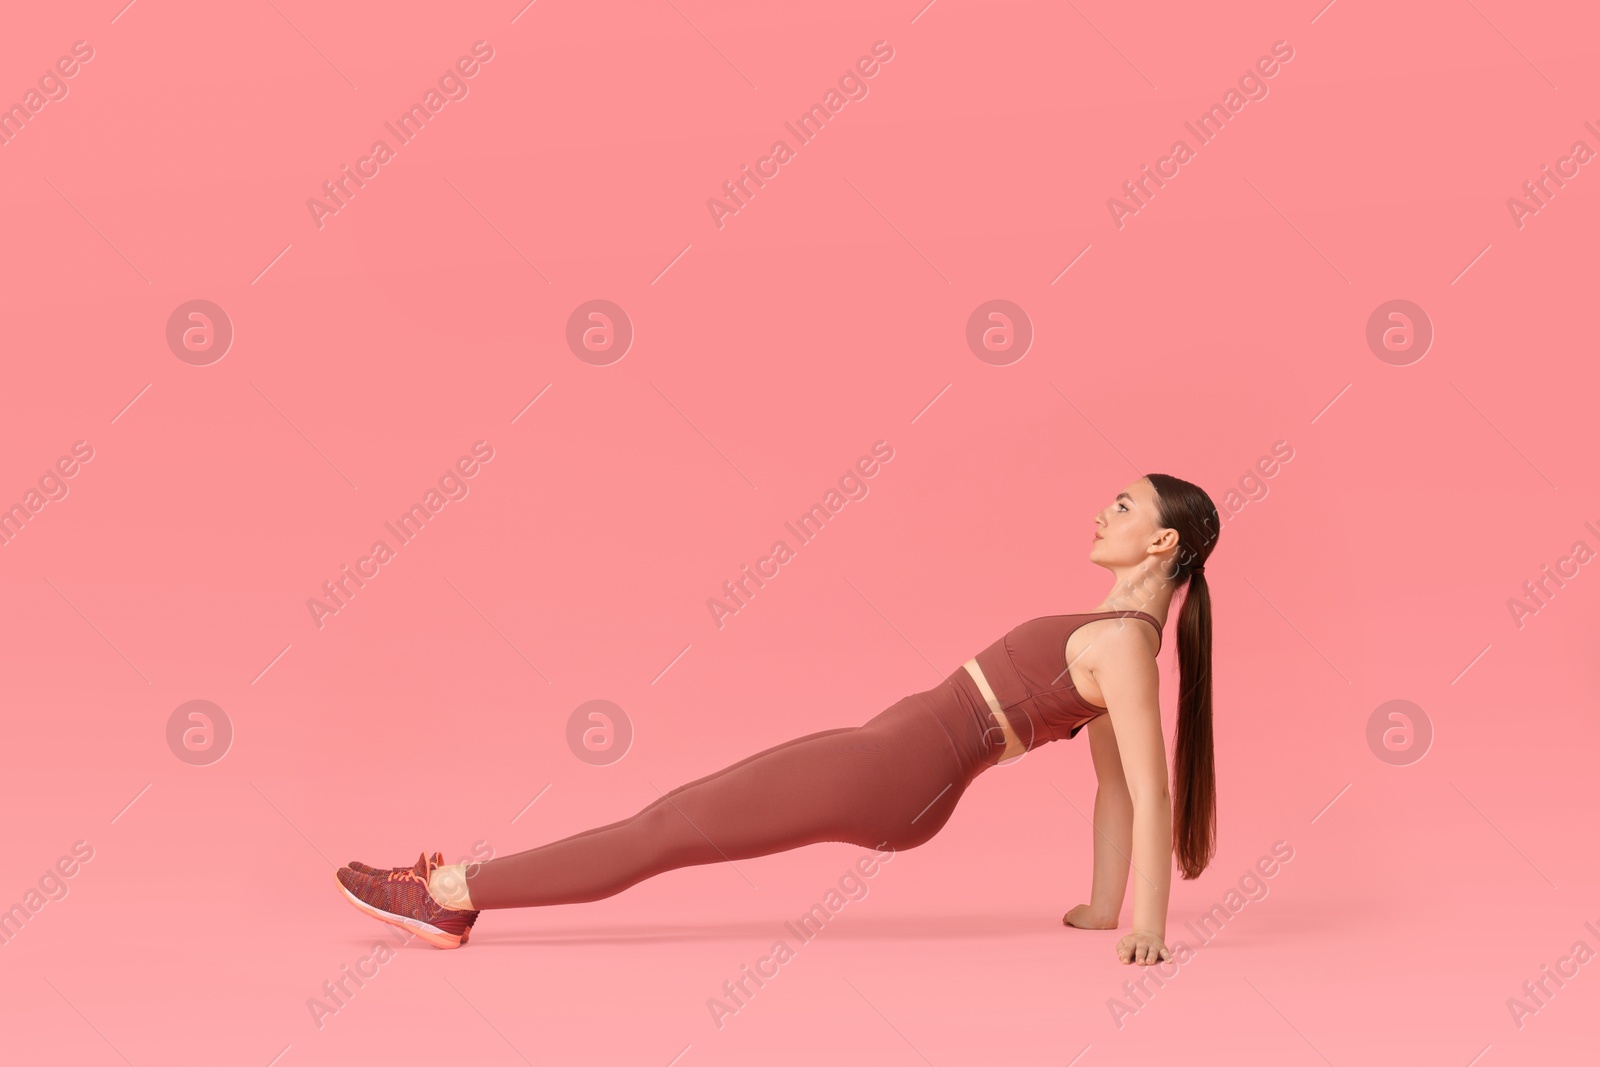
(1029, 675)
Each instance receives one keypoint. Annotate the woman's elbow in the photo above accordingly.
(1150, 795)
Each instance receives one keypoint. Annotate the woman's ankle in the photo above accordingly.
(448, 887)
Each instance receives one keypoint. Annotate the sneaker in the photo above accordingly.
(400, 897)
(362, 868)
(380, 873)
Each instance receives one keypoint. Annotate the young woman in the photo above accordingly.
(893, 782)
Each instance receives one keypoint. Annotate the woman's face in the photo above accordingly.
(1125, 529)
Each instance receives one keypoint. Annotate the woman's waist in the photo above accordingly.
(1003, 722)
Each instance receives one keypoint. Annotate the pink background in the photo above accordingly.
(827, 314)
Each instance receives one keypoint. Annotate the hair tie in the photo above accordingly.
(1201, 569)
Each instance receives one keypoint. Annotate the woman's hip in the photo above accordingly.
(935, 729)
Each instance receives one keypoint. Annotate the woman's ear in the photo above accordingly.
(1164, 541)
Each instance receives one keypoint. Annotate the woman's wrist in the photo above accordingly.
(1103, 914)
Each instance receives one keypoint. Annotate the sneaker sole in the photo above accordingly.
(428, 932)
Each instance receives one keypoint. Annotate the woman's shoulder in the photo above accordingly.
(1113, 626)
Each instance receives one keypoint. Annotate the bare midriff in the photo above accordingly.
(1014, 745)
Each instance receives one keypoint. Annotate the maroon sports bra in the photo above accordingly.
(1027, 669)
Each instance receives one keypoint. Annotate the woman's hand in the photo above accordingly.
(1143, 948)
(1085, 917)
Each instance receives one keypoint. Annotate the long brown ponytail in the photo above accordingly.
(1186, 508)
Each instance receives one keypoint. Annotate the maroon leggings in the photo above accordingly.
(891, 783)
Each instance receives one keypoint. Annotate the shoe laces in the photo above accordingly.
(411, 874)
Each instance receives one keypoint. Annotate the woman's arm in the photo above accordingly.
(1126, 674)
(1113, 832)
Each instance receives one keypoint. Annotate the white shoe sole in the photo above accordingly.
(428, 932)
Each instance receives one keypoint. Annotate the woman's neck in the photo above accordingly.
(1142, 588)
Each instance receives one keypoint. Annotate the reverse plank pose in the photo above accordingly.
(893, 782)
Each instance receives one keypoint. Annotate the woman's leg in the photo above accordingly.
(890, 783)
